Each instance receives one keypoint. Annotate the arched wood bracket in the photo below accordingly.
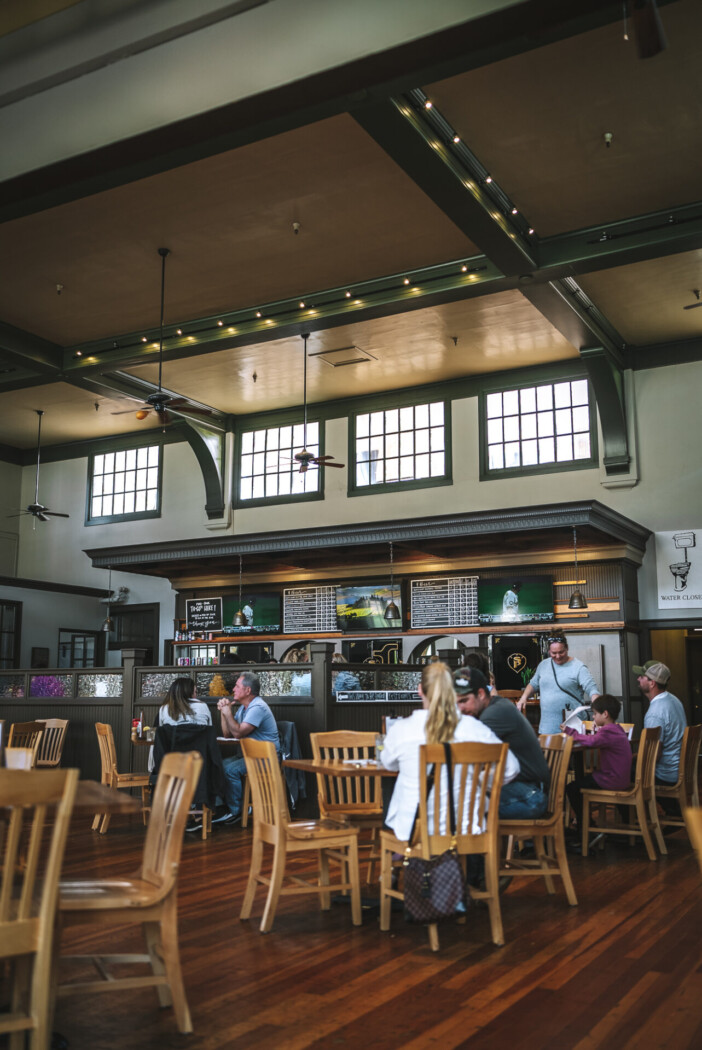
(608, 383)
(208, 446)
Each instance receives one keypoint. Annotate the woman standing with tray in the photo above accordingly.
(564, 683)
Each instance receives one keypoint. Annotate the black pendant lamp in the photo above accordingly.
(577, 598)
(391, 610)
(239, 617)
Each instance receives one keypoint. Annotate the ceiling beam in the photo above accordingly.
(424, 155)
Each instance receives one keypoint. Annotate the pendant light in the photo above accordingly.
(107, 622)
(239, 618)
(577, 598)
(391, 610)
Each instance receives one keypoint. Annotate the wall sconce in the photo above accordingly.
(577, 598)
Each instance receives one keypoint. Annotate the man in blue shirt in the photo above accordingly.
(253, 718)
(666, 711)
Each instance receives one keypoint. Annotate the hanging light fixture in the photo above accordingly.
(239, 618)
(391, 610)
(577, 598)
(107, 622)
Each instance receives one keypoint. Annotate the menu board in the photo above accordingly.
(448, 602)
(307, 610)
(203, 614)
(379, 696)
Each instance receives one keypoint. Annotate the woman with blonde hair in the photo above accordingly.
(438, 721)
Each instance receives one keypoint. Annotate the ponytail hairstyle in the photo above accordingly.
(443, 716)
(178, 698)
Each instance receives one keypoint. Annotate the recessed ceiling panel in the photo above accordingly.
(537, 122)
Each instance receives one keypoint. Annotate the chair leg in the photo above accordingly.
(643, 824)
(355, 880)
(657, 826)
(171, 960)
(154, 948)
(277, 874)
(254, 872)
(385, 884)
(492, 885)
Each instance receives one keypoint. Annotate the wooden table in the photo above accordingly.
(337, 768)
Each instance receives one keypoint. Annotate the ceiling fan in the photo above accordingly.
(305, 458)
(38, 510)
(159, 401)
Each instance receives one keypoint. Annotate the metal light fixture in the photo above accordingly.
(391, 610)
(577, 598)
(107, 624)
(239, 618)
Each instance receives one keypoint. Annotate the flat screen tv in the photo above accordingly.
(262, 610)
(364, 608)
(515, 599)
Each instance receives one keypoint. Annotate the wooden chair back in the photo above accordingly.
(26, 734)
(478, 771)
(31, 855)
(340, 795)
(556, 750)
(51, 747)
(108, 752)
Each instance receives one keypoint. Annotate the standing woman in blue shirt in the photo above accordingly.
(563, 681)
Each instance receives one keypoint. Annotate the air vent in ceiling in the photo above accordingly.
(345, 355)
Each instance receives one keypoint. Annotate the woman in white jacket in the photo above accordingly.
(439, 721)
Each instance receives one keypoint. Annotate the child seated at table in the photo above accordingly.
(613, 748)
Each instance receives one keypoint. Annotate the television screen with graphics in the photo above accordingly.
(365, 608)
(515, 599)
(262, 610)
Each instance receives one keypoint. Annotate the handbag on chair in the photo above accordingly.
(435, 888)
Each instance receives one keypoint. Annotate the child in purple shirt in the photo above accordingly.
(614, 749)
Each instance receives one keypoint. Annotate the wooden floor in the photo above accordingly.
(623, 970)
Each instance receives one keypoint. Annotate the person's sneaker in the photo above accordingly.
(227, 820)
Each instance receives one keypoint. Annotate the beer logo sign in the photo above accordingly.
(516, 662)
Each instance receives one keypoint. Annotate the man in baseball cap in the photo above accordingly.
(666, 711)
(523, 798)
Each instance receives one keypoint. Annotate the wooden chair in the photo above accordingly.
(31, 852)
(108, 758)
(148, 898)
(478, 774)
(357, 800)
(547, 832)
(51, 747)
(26, 734)
(686, 790)
(641, 797)
(272, 826)
(693, 820)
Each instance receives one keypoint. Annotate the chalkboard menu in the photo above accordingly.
(307, 610)
(448, 602)
(379, 696)
(203, 614)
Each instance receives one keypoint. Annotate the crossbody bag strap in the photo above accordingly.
(562, 688)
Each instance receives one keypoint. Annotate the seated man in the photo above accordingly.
(253, 718)
(612, 743)
(666, 711)
(524, 798)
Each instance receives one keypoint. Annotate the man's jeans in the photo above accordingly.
(522, 801)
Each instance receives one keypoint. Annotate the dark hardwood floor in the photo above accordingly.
(623, 970)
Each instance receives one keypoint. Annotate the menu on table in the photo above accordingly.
(448, 602)
(307, 610)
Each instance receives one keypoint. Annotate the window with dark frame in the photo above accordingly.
(545, 425)
(267, 465)
(125, 485)
(397, 445)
